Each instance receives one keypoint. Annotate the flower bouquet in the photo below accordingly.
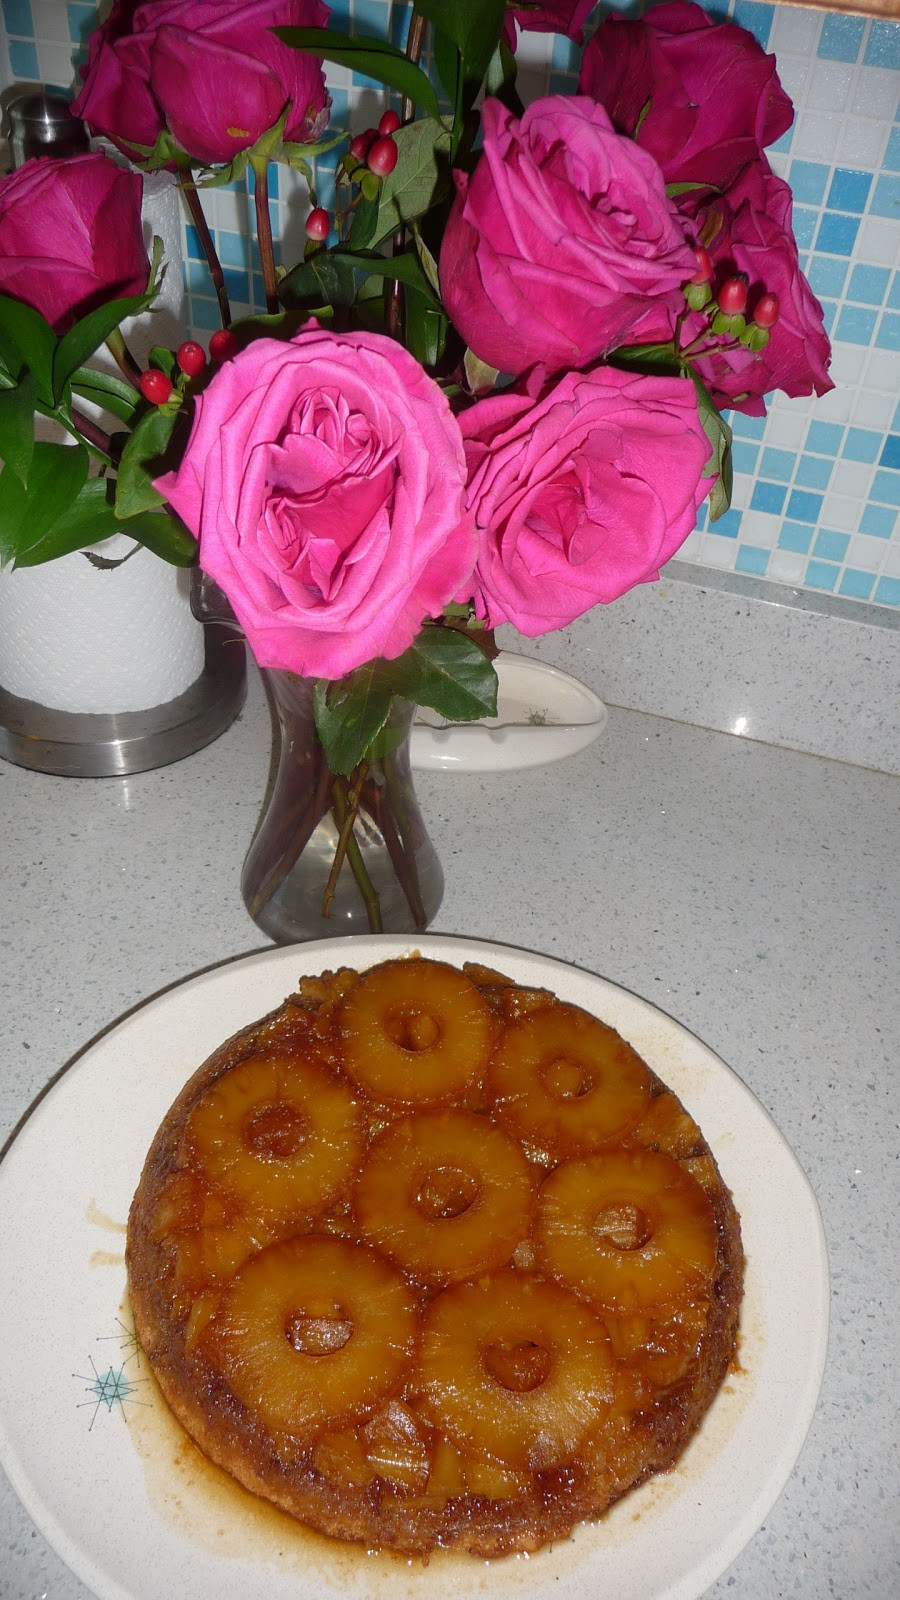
(490, 392)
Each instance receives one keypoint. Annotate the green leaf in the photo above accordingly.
(647, 358)
(268, 324)
(500, 79)
(163, 360)
(673, 190)
(420, 179)
(55, 478)
(445, 669)
(425, 327)
(429, 265)
(143, 459)
(349, 714)
(697, 295)
(403, 267)
(475, 26)
(299, 156)
(479, 376)
(362, 228)
(27, 341)
(113, 394)
(719, 435)
(642, 114)
(89, 519)
(90, 333)
(447, 61)
(17, 426)
(733, 323)
(220, 177)
(164, 534)
(373, 58)
(753, 336)
(319, 281)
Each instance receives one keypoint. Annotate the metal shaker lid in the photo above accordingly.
(42, 124)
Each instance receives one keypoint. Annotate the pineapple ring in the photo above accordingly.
(628, 1230)
(279, 1132)
(515, 1369)
(416, 1031)
(313, 1332)
(567, 1083)
(445, 1194)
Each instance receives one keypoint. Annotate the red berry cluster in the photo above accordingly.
(377, 146)
(376, 151)
(726, 312)
(190, 357)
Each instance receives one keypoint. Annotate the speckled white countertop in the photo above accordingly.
(751, 892)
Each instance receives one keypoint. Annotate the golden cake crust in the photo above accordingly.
(486, 1395)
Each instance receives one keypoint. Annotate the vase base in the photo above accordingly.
(74, 744)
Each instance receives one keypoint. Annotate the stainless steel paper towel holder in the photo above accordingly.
(75, 744)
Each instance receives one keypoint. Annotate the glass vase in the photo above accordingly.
(336, 855)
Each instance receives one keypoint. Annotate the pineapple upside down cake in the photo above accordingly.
(431, 1259)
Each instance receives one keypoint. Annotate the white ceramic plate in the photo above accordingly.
(134, 1509)
(543, 715)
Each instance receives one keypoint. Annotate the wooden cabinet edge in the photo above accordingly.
(887, 10)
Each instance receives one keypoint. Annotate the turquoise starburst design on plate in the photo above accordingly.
(106, 1389)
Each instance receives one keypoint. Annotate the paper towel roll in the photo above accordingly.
(164, 322)
(77, 638)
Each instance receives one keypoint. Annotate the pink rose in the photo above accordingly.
(325, 481)
(71, 236)
(211, 71)
(559, 16)
(562, 237)
(582, 494)
(755, 237)
(714, 96)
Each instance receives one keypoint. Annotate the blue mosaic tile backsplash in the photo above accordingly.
(817, 482)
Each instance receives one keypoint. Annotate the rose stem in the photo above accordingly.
(189, 190)
(700, 349)
(124, 360)
(345, 815)
(405, 868)
(264, 230)
(94, 434)
(414, 43)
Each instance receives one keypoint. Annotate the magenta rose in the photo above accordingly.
(209, 71)
(561, 238)
(117, 99)
(71, 236)
(713, 94)
(582, 494)
(755, 237)
(560, 16)
(325, 481)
